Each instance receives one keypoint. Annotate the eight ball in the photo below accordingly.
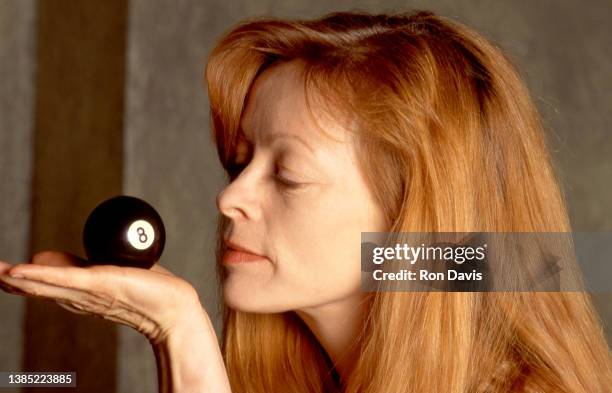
(124, 231)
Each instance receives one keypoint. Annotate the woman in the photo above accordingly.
(328, 128)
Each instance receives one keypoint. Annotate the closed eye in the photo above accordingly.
(234, 169)
(286, 182)
(283, 181)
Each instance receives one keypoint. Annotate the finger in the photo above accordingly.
(4, 267)
(128, 285)
(49, 258)
(124, 283)
(8, 288)
(107, 278)
(56, 258)
(31, 288)
(84, 279)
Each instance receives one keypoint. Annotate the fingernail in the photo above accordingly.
(16, 275)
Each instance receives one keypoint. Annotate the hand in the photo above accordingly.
(154, 302)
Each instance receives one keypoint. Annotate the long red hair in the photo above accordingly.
(449, 140)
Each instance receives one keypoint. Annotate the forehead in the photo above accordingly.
(277, 104)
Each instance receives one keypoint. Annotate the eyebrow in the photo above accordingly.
(284, 135)
(296, 137)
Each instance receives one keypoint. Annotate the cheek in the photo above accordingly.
(319, 244)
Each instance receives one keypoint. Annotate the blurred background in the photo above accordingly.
(99, 98)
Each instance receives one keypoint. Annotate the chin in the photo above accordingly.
(246, 301)
(240, 299)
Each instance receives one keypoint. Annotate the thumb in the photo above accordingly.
(56, 258)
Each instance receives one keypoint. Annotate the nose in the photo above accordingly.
(238, 200)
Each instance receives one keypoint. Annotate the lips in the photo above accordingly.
(236, 253)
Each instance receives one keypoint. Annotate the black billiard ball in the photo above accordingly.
(124, 231)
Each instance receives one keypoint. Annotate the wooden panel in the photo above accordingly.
(78, 159)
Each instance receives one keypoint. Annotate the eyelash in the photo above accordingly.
(286, 183)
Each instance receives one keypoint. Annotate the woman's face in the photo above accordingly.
(300, 201)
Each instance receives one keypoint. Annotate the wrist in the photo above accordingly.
(189, 358)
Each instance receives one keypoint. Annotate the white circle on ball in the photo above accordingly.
(141, 234)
